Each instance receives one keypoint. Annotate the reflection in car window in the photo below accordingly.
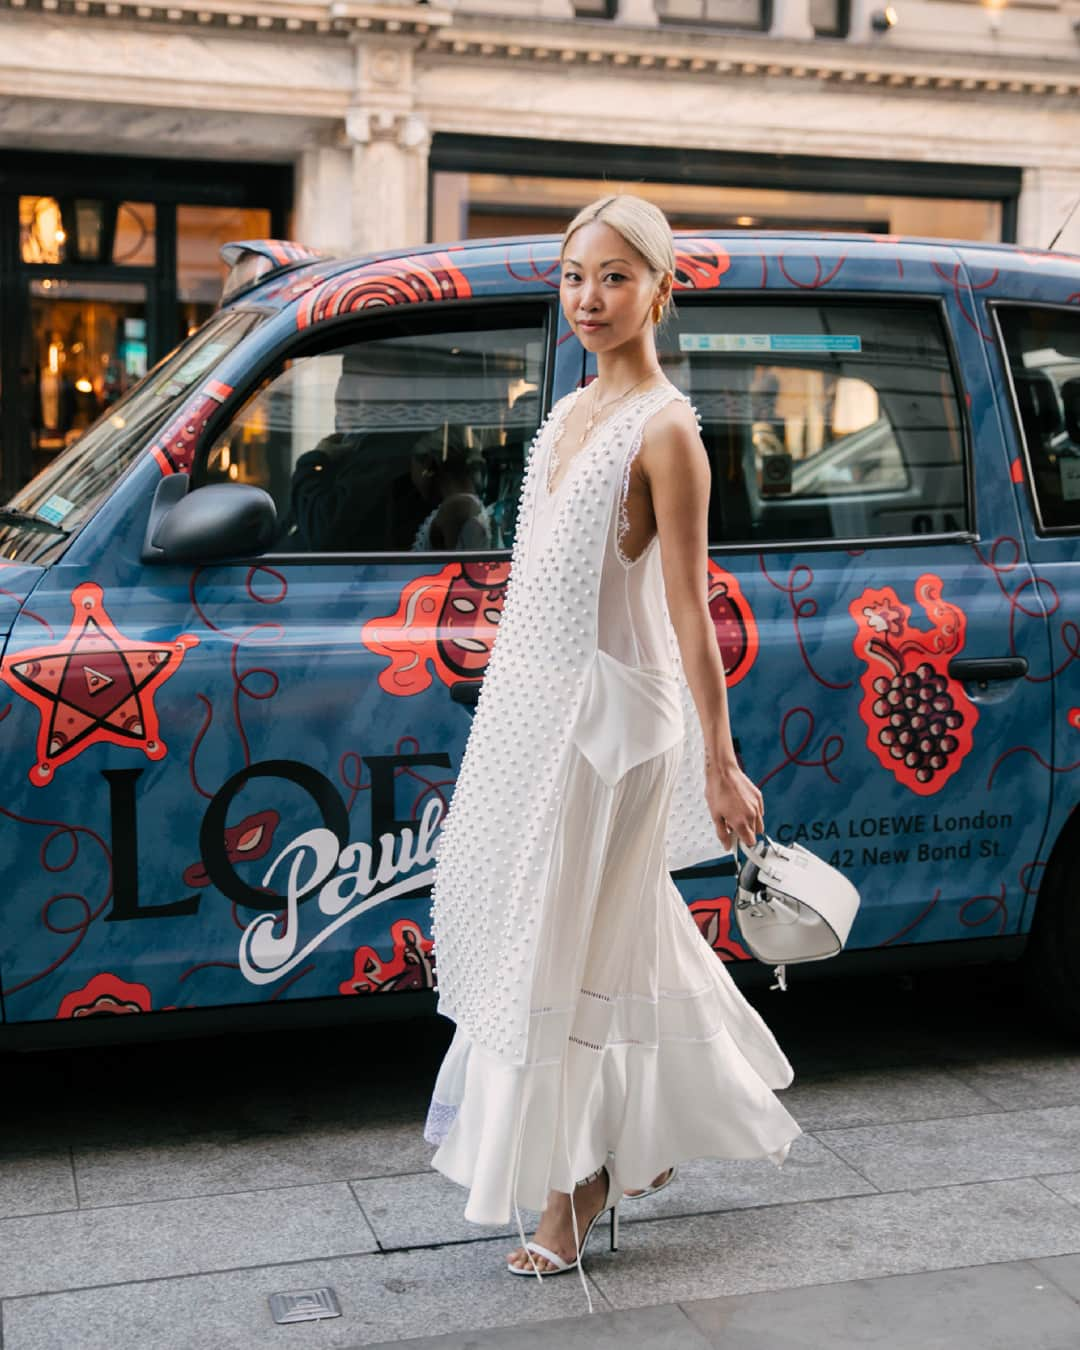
(1042, 347)
(823, 421)
(66, 492)
(411, 440)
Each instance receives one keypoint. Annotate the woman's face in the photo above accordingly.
(607, 288)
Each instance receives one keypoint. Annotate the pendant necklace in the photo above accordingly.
(594, 411)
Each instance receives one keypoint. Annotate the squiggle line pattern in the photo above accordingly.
(954, 277)
(799, 579)
(832, 747)
(1070, 632)
(59, 830)
(265, 633)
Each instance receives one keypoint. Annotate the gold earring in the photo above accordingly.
(657, 312)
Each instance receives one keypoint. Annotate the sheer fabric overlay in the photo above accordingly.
(635, 1049)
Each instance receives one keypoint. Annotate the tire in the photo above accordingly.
(1051, 963)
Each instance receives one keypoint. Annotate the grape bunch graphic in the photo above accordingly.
(919, 722)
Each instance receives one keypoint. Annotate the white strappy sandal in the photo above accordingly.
(611, 1206)
(672, 1173)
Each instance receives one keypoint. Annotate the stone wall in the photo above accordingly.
(352, 93)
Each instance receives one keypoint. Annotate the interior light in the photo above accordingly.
(61, 236)
(84, 386)
(745, 221)
(226, 458)
(234, 471)
(54, 359)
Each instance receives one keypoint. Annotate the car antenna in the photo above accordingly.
(1061, 230)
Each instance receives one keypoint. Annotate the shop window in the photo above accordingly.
(486, 205)
(200, 233)
(412, 440)
(595, 9)
(57, 230)
(1042, 347)
(823, 421)
(751, 14)
(830, 18)
(87, 347)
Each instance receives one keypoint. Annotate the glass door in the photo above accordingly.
(86, 345)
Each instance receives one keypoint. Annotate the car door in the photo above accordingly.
(864, 552)
(260, 822)
(1038, 363)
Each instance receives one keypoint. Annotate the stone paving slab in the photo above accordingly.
(999, 1307)
(1065, 1184)
(784, 1246)
(661, 1328)
(1021, 1083)
(881, 1097)
(424, 1209)
(215, 1161)
(1065, 1273)
(383, 1298)
(964, 1149)
(36, 1183)
(179, 1237)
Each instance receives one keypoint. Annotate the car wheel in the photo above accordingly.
(1051, 962)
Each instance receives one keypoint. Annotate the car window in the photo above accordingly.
(1042, 348)
(65, 493)
(411, 437)
(823, 421)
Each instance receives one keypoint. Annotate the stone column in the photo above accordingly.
(859, 29)
(791, 19)
(323, 214)
(1046, 197)
(389, 179)
(639, 13)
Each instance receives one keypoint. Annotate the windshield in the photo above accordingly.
(37, 520)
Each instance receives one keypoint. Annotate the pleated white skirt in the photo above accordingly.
(642, 1052)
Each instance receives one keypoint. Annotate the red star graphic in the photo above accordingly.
(94, 686)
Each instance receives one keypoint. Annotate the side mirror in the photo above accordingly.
(211, 524)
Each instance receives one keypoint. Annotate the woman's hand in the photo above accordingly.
(735, 804)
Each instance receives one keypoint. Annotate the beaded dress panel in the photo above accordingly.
(547, 689)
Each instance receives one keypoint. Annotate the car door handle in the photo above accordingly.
(466, 691)
(983, 669)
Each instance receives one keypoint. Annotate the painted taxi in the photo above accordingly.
(244, 619)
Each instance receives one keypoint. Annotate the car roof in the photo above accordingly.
(531, 260)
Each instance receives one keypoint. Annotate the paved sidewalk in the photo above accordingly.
(154, 1198)
(1027, 1305)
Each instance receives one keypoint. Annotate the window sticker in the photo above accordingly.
(770, 342)
(55, 509)
(1069, 469)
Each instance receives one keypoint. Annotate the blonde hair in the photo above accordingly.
(643, 226)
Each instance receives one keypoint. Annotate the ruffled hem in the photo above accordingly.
(511, 1133)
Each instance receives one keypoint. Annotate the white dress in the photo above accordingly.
(594, 1023)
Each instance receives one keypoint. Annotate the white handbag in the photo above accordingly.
(792, 906)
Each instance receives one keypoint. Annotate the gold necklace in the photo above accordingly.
(595, 411)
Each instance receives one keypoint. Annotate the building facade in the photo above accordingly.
(136, 136)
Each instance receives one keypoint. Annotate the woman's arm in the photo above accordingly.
(675, 469)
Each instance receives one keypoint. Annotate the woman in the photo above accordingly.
(599, 1041)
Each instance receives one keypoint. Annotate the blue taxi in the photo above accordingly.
(244, 618)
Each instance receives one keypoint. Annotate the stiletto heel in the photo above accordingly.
(611, 1206)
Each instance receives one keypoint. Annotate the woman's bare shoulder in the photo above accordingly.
(672, 440)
